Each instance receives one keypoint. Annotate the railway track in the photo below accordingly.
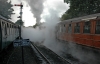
(46, 56)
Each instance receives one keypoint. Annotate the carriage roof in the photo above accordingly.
(1, 17)
(88, 17)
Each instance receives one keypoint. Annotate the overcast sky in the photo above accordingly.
(36, 10)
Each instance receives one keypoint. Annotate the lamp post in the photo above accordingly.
(21, 7)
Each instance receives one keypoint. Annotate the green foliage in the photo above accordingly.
(65, 16)
(38, 25)
(35, 25)
(19, 22)
(81, 8)
(6, 8)
(67, 1)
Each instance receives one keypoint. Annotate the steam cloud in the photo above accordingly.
(46, 36)
(36, 8)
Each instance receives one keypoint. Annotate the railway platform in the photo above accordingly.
(24, 51)
(13, 55)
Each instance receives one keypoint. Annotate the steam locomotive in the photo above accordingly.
(8, 32)
(82, 30)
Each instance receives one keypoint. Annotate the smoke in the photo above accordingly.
(82, 54)
(43, 34)
(46, 36)
(52, 11)
(35, 35)
(36, 8)
(51, 18)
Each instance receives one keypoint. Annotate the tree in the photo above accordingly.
(35, 25)
(6, 8)
(39, 25)
(19, 22)
(81, 8)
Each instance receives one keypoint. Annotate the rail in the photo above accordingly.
(46, 58)
(48, 62)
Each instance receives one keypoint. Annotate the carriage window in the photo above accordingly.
(69, 28)
(2, 23)
(60, 28)
(15, 28)
(86, 27)
(12, 29)
(77, 28)
(64, 28)
(5, 29)
(12, 26)
(97, 30)
(7, 25)
(8, 28)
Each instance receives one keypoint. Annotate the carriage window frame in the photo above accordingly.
(7, 25)
(69, 30)
(77, 28)
(3, 23)
(97, 27)
(12, 29)
(8, 28)
(5, 29)
(60, 28)
(87, 27)
(64, 28)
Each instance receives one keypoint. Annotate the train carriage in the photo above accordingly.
(8, 32)
(83, 30)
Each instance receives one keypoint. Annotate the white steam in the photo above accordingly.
(51, 15)
(35, 35)
(50, 12)
(36, 8)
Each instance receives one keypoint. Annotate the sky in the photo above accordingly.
(36, 10)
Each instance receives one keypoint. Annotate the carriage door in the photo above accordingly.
(4, 35)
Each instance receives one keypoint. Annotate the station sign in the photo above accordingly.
(21, 42)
